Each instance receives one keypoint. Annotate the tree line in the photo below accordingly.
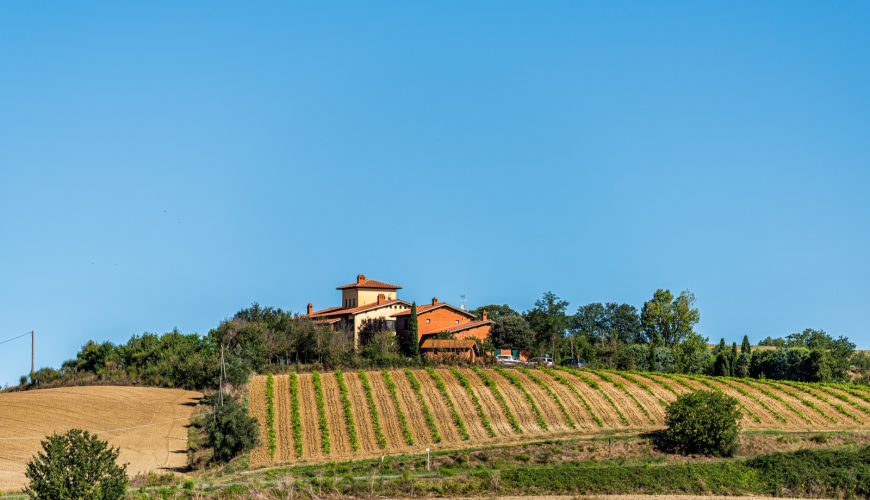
(660, 336)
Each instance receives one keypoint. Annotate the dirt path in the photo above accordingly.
(390, 425)
(361, 415)
(311, 447)
(517, 403)
(339, 438)
(491, 407)
(464, 406)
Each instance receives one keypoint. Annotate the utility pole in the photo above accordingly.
(32, 355)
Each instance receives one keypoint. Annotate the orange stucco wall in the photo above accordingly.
(439, 320)
(480, 333)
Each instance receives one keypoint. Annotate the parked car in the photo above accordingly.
(573, 362)
(507, 360)
(541, 361)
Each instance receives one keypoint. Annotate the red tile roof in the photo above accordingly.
(447, 344)
(466, 326)
(340, 311)
(365, 283)
(431, 307)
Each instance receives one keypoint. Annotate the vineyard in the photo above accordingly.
(345, 414)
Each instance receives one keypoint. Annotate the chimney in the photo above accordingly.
(310, 308)
(434, 300)
(483, 315)
(360, 278)
(381, 298)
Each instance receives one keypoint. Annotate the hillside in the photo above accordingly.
(148, 424)
(362, 418)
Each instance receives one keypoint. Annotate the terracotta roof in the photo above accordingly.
(323, 311)
(447, 344)
(327, 321)
(431, 307)
(340, 311)
(466, 326)
(364, 283)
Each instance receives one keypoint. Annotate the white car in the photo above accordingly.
(507, 360)
(541, 361)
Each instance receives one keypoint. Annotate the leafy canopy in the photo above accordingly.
(76, 465)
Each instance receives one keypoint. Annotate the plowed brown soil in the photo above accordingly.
(516, 401)
(361, 416)
(443, 418)
(390, 425)
(549, 409)
(311, 446)
(629, 408)
(649, 401)
(412, 409)
(464, 406)
(147, 424)
(582, 418)
(491, 407)
(338, 435)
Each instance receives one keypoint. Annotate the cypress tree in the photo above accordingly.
(413, 337)
(745, 348)
(732, 365)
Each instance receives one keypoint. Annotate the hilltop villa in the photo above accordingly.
(368, 299)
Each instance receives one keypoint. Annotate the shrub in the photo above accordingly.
(230, 430)
(76, 465)
(703, 422)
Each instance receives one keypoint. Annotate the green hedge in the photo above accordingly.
(427, 413)
(270, 414)
(463, 431)
(348, 411)
(321, 413)
(484, 420)
(295, 415)
(373, 410)
(403, 421)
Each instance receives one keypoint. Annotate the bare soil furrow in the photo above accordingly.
(389, 418)
(339, 439)
(464, 406)
(361, 416)
(491, 407)
(412, 409)
(517, 403)
(311, 447)
(440, 411)
(549, 408)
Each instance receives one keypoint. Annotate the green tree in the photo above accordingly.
(548, 320)
(703, 422)
(512, 332)
(691, 355)
(669, 320)
(413, 332)
(746, 347)
(732, 360)
(230, 430)
(76, 465)
(744, 362)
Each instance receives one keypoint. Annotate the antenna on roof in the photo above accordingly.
(462, 302)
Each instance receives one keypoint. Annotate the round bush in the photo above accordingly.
(76, 465)
(703, 422)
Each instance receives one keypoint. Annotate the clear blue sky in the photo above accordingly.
(164, 165)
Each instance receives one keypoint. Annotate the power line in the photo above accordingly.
(15, 338)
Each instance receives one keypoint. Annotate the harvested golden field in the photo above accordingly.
(447, 408)
(148, 425)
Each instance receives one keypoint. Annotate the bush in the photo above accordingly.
(703, 422)
(230, 430)
(76, 465)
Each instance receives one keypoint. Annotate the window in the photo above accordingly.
(428, 320)
(457, 321)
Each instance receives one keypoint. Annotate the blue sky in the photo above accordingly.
(164, 164)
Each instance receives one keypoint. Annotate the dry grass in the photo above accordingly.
(147, 424)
